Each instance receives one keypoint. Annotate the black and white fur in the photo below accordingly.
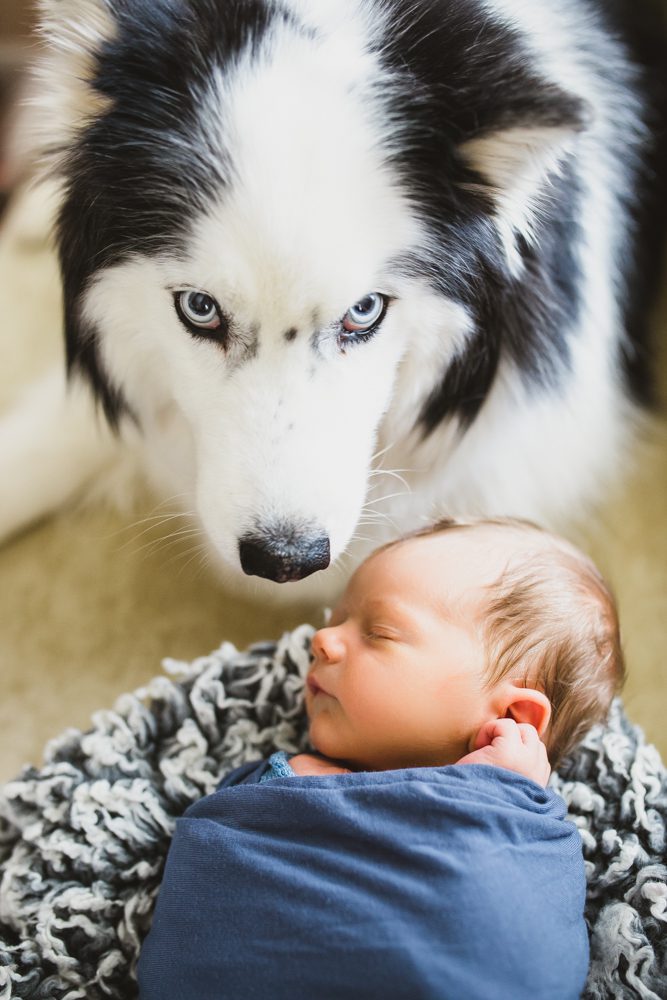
(476, 165)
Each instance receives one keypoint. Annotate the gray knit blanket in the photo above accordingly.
(84, 838)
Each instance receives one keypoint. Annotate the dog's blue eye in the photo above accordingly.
(365, 314)
(200, 312)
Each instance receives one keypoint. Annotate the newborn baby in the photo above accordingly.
(417, 853)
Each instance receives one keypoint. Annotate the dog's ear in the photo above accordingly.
(515, 160)
(71, 32)
(76, 27)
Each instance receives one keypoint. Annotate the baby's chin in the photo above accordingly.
(327, 741)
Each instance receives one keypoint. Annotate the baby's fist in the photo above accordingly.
(515, 746)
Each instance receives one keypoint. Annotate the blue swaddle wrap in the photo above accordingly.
(461, 883)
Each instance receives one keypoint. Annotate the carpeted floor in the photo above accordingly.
(92, 600)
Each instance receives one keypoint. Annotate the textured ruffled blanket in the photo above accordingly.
(83, 840)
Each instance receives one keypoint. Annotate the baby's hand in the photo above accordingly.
(515, 746)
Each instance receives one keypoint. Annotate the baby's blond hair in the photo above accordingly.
(551, 622)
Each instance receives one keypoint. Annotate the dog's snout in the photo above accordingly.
(284, 557)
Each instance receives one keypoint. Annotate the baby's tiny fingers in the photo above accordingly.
(493, 730)
(485, 736)
(528, 733)
(507, 729)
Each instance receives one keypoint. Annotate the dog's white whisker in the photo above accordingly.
(167, 541)
(189, 556)
(386, 472)
(393, 475)
(153, 528)
(382, 451)
(367, 511)
(156, 521)
(390, 496)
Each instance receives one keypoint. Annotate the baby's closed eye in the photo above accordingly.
(382, 633)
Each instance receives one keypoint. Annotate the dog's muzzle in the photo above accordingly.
(284, 556)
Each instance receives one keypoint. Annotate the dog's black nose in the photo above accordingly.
(284, 556)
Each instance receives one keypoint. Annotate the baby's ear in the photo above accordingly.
(528, 705)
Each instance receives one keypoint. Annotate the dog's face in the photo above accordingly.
(262, 228)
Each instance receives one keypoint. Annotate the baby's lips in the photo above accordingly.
(311, 684)
(314, 685)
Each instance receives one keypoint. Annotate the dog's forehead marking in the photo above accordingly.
(313, 205)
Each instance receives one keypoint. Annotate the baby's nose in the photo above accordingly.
(328, 645)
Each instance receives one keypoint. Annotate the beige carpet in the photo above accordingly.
(92, 600)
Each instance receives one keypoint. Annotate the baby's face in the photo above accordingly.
(397, 678)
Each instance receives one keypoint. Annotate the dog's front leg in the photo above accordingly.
(52, 445)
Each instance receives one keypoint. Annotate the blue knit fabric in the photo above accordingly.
(278, 767)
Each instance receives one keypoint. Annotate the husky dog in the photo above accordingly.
(314, 248)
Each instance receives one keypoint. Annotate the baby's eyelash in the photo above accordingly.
(373, 634)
